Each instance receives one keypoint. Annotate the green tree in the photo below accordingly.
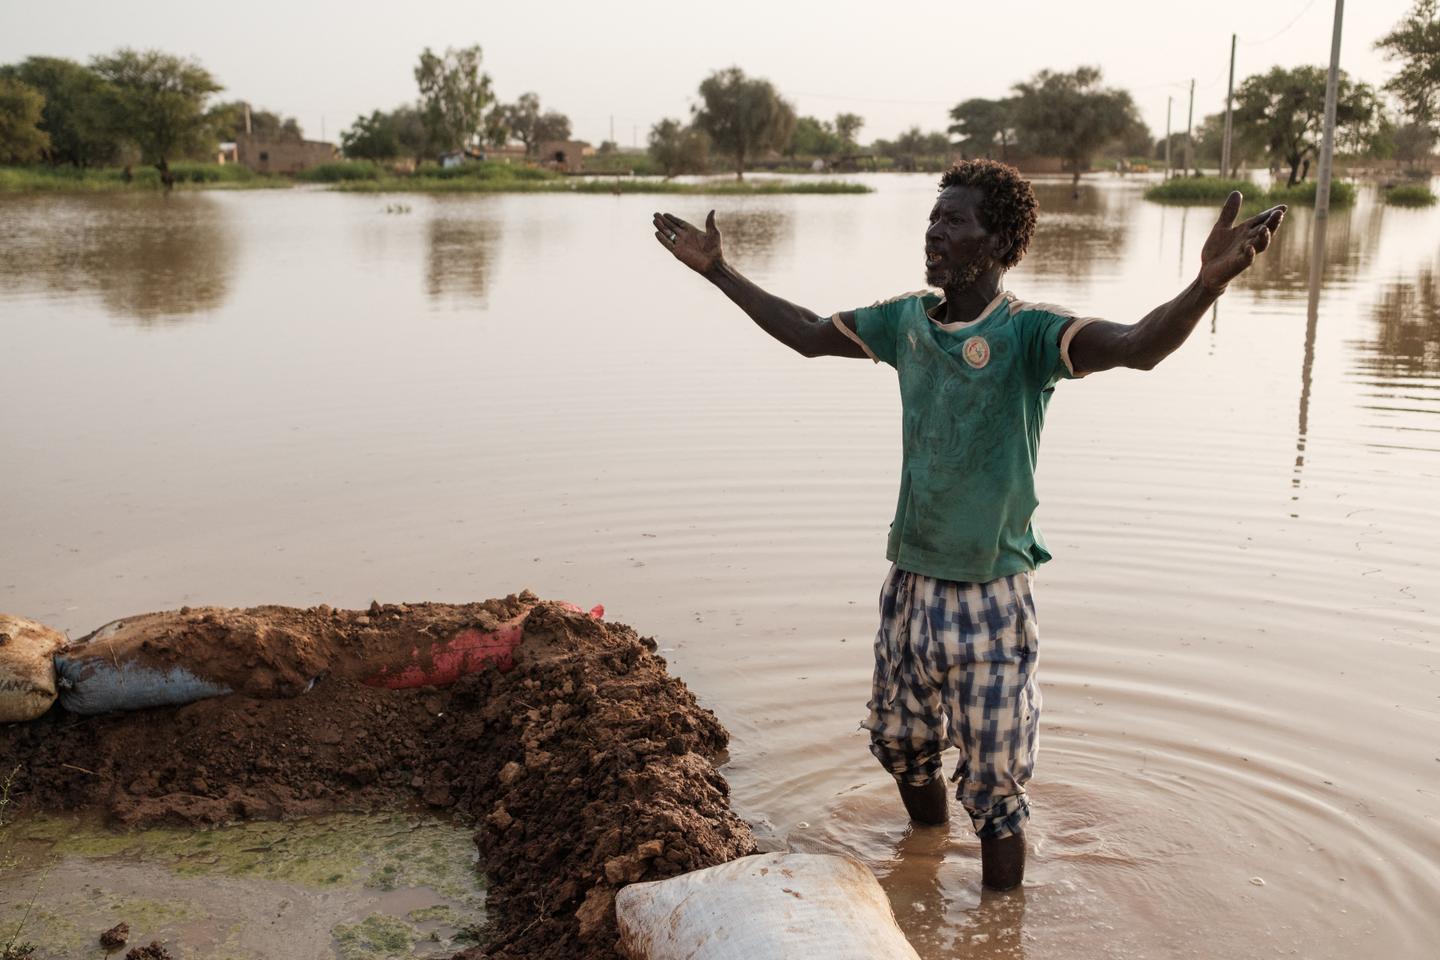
(743, 117)
(814, 138)
(678, 149)
(21, 107)
(227, 120)
(1280, 114)
(847, 128)
(74, 116)
(1071, 116)
(385, 136)
(979, 123)
(454, 96)
(914, 145)
(1415, 42)
(519, 120)
(158, 103)
(1413, 142)
(552, 125)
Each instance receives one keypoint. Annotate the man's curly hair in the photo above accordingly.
(1008, 205)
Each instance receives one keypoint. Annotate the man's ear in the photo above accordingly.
(1000, 247)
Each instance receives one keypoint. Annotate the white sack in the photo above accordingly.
(27, 668)
(796, 906)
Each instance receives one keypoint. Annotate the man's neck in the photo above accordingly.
(965, 303)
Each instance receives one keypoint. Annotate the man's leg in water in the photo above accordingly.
(907, 719)
(993, 700)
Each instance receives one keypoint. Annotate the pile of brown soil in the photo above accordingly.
(586, 767)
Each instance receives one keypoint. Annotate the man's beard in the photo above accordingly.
(956, 276)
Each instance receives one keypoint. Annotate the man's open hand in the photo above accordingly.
(1231, 247)
(697, 249)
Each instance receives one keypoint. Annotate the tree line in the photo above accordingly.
(1276, 121)
(127, 107)
(151, 107)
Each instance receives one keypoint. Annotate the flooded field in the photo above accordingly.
(300, 397)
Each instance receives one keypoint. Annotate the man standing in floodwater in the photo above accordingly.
(957, 647)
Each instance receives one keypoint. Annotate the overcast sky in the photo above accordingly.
(897, 64)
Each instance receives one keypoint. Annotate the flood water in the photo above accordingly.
(298, 397)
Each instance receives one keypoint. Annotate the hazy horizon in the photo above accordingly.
(591, 65)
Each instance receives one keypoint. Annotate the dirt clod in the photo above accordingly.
(155, 951)
(115, 936)
(584, 768)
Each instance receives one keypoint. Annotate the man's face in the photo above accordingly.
(957, 247)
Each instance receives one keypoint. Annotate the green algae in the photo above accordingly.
(381, 851)
(361, 886)
(375, 937)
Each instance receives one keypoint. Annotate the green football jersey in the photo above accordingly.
(973, 397)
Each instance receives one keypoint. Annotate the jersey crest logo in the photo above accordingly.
(976, 352)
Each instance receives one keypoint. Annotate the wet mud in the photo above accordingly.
(583, 767)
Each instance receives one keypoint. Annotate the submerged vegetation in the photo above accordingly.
(1207, 190)
(1410, 195)
(98, 180)
(362, 176)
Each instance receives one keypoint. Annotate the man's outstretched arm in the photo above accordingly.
(800, 329)
(1228, 252)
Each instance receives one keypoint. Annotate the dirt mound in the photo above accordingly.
(279, 651)
(584, 768)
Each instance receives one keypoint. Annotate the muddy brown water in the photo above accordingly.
(299, 397)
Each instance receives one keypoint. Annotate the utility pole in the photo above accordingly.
(1189, 123)
(1229, 99)
(612, 128)
(1169, 102)
(1327, 145)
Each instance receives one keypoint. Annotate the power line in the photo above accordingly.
(1294, 20)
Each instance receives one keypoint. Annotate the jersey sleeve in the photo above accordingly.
(877, 327)
(1045, 335)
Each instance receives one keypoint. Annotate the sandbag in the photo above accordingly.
(179, 656)
(797, 906)
(445, 659)
(27, 668)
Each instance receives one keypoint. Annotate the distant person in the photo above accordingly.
(956, 651)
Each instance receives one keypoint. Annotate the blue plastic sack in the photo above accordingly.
(90, 685)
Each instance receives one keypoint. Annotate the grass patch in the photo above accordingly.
(548, 182)
(208, 176)
(1206, 190)
(1410, 195)
(342, 171)
(1342, 194)
(622, 162)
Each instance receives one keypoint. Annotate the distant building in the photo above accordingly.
(281, 156)
(564, 155)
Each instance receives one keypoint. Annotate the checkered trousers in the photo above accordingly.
(955, 666)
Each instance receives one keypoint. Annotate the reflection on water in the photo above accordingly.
(1075, 236)
(1407, 318)
(151, 259)
(1349, 244)
(929, 880)
(460, 248)
(753, 235)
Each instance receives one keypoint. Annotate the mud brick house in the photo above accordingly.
(281, 156)
(564, 155)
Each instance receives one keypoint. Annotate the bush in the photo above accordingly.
(1201, 190)
(1342, 194)
(487, 170)
(1410, 195)
(1216, 189)
(143, 177)
(341, 171)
